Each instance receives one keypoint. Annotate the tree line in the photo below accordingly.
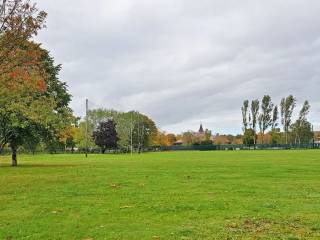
(111, 129)
(260, 117)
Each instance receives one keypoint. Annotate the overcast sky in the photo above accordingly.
(183, 62)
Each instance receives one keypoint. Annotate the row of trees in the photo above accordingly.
(265, 117)
(132, 129)
(33, 103)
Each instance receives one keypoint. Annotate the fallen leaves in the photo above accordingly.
(126, 206)
(115, 185)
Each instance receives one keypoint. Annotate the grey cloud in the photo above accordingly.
(184, 62)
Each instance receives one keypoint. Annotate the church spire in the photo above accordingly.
(201, 129)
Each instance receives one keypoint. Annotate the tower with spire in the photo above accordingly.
(200, 134)
(201, 129)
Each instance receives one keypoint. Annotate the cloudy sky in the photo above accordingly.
(183, 62)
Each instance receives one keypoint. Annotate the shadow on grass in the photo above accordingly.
(23, 165)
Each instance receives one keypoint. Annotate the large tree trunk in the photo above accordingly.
(14, 157)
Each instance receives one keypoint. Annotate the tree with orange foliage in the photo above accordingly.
(40, 110)
(20, 20)
(32, 99)
(20, 70)
(67, 137)
(164, 139)
(171, 139)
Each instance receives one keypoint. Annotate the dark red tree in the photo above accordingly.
(106, 136)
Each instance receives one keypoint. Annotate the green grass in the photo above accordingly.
(178, 195)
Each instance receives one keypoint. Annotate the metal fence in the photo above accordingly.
(242, 147)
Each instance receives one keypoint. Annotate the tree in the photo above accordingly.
(207, 135)
(254, 115)
(274, 122)
(171, 139)
(105, 136)
(22, 103)
(244, 110)
(20, 116)
(275, 132)
(80, 136)
(302, 129)
(248, 137)
(304, 111)
(67, 137)
(287, 106)
(275, 136)
(161, 139)
(188, 138)
(34, 103)
(265, 118)
(144, 131)
(164, 139)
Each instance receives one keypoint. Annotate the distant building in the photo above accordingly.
(191, 137)
(201, 133)
(201, 129)
(178, 143)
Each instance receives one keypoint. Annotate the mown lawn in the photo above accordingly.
(176, 195)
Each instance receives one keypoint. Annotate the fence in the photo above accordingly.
(7, 151)
(242, 147)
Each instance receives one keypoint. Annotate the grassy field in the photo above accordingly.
(178, 195)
